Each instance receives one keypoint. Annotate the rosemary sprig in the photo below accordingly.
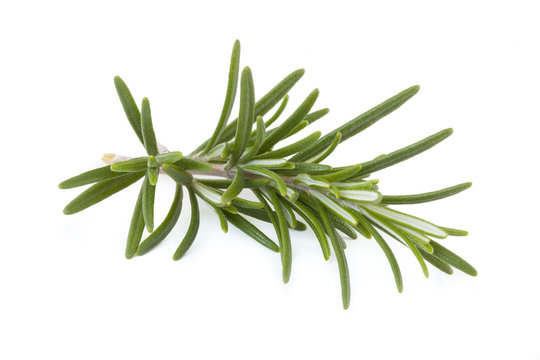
(289, 182)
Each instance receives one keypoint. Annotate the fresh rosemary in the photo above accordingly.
(288, 181)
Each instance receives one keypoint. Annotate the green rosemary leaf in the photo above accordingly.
(363, 225)
(315, 183)
(153, 171)
(148, 195)
(419, 239)
(270, 214)
(250, 230)
(288, 213)
(259, 138)
(389, 255)
(360, 195)
(101, 191)
(406, 220)
(336, 221)
(257, 170)
(222, 220)
(90, 177)
(229, 97)
(246, 204)
(316, 115)
(129, 105)
(270, 163)
(136, 228)
(315, 225)
(424, 197)
(454, 232)
(341, 175)
(132, 165)
(301, 125)
(168, 157)
(211, 196)
(356, 185)
(235, 188)
(262, 214)
(359, 123)
(452, 259)
(290, 123)
(147, 128)
(305, 168)
(225, 183)
(178, 174)
(188, 163)
(342, 242)
(193, 227)
(404, 153)
(245, 117)
(292, 148)
(278, 112)
(166, 226)
(326, 152)
(340, 256)
(284, 238)
(334, 207)
(438, 263)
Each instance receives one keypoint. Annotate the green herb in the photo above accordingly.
(289, 182)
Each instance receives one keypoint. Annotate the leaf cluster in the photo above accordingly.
(290, 186)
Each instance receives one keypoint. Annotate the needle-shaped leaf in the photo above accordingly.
(168, 157)
(148, 195)
(225, 183)
(356, 185)
(360, 195)
(245, 118)
(147, 128)
(90, 177)
(136, 228)
(243, 203)
(340, 256)
(132, 165)
(334, 207)
(101, 191)
(298, 115)
(405, 153)
(343, 174)
(389, 255)
(359, 123)
(259, 138)
(153, 171)
(250, 230)
(222, 219)
(438, 263)
(318, 157)
(316, 115)
(292, 148)
(257, 170)
(166, 226)
(454, 232)
(130, 107)
(270, 163)
(284, 238)
(278, 112)
(235, 188)
(305, 168)
(452, 259)
(178, 174)
(424, 197)
(406, 220)
(192, 229)
(312, 182)
(229, 97)
(188, 163)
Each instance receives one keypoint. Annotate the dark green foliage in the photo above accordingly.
(288, 182)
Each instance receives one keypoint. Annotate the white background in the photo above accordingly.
(66, 291)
